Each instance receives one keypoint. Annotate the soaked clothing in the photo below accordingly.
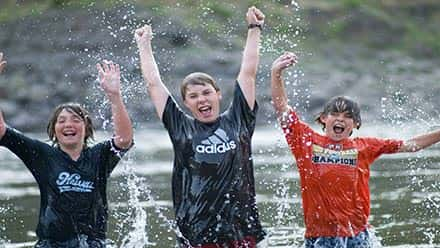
(78, 242)
(247, 242)
(334, 177)
(73, 197)
(362, 240)
(213, 181)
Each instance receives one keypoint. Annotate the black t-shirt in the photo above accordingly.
(213, 181)
(72, 193)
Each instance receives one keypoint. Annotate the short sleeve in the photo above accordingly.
(110, 154)
(174, 119)
(240, 110)
(295, 131)
(376, 147)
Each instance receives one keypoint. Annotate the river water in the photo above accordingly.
(405, 194)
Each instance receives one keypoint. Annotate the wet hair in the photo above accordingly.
(340, 104)
(74, 108)
(197, 78)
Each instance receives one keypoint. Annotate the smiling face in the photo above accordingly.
(203, 101)
(338, 126)
(70, 126)
(70, 129)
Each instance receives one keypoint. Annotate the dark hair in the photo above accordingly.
(74, 108)
(197, 78)
(340, 104)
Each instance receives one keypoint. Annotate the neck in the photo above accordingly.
(73, 151)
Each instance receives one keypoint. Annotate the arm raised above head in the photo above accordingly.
(420, 142)
(157, 90)
(279, 96)
(110, 80)
(250, 60)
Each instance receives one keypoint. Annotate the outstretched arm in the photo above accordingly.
(157, 90)
(2, 62)
(2, 121)
(279, 96)
(420, 142)
(249, 64)
(110, 80)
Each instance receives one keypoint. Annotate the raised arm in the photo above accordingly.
(157, 90)
(249, 64)
(2, 121)
(420, 142)
(279, 96)
(110, 80)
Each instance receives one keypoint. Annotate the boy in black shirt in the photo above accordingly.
(72, 177)
(213, 181)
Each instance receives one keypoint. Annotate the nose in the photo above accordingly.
(201, 98)
(68, 123)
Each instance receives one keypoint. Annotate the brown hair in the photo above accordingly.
(197, 78)
(340, 104)
(74, 108)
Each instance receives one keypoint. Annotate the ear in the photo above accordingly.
(323, 118)
(219, 95)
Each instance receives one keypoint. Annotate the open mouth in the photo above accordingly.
(69, 133)
(338, 128)
(205, 110)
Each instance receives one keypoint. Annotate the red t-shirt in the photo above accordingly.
(334, 177)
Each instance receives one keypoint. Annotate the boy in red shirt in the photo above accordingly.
(334, 168)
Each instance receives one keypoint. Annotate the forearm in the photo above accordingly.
(149, 68)
(251, 53)
(156, 88)
(279, 97)
(123, 129)
(420, 142)
(2, 130)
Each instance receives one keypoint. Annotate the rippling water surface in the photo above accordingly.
(405, 195)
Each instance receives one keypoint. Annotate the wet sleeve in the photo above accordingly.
(296, 132)
(377, 147)
(110, 154)
(27, 149)
(174, 119)
(240, 110)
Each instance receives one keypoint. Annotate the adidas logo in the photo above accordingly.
(217, 143)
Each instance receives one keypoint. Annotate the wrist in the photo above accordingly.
(255, 25)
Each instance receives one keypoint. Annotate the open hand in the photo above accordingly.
(109, 78)
(286, 60)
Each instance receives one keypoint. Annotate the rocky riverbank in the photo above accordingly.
(52, 55)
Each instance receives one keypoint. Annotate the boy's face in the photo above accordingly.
(203, 101)
(338, 125)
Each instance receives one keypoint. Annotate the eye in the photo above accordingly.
(77, 120)
(60, 121)
(208, 92)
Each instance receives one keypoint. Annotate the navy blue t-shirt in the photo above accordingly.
(72, 193)
(213, 181)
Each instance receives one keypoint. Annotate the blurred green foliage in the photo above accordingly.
(391, 24)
